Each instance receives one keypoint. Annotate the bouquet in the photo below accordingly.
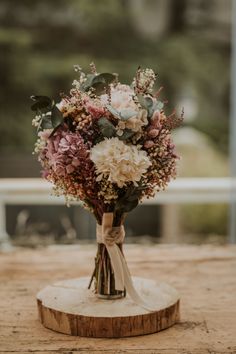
(107, 145)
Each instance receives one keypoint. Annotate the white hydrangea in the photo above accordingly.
(119, 162)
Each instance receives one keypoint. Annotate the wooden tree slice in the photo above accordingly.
(69, 307)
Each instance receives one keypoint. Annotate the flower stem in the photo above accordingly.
(104, 275)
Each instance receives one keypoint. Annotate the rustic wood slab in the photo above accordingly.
(204, 276)
(69, 307)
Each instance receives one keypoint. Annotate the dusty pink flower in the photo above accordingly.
(155, 120)
(65, 151)
(148, 144)
(94, 108)
(153, 133)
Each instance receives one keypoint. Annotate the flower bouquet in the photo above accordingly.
(107, 145)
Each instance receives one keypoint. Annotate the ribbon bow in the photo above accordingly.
(111, 236)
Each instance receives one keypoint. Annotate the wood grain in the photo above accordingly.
(203, 275)
(69, 307)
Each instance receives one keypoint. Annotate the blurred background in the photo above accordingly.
(187, 42)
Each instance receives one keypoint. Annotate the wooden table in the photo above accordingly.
(204, 275)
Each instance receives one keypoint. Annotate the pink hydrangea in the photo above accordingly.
(65, 153)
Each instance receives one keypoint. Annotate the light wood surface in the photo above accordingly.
(71, 308)
(205, 277)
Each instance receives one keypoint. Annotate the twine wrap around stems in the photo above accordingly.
(111, 237)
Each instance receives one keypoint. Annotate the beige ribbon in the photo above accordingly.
(111, 236)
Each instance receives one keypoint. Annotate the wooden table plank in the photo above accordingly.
(205, 276)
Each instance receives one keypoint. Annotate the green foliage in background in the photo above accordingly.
(41, 40)
(204, 219)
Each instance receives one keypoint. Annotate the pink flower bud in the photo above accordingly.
(148, 144)
(155, 117)
(153, 133)
(70, 168)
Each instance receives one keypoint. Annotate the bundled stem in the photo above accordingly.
(103, 274)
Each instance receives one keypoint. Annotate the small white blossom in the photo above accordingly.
(36, 121)
(145, 80)
(77, 68)
(76, 84)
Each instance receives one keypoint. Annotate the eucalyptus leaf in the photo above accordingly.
(130, 206)
(107, 129)
(41, 98)
(132, 194)
(100, 82)
(146, 103)
(158, 105)
(113, 111)
(150, 112)
(129, 200)
(98, 139)
(105, 78)
(99, 88)
(149, 102)
(142, 100)
(88, 83)
(127, 133)
(126, 205)
(126, 114)
(46, 123)
(69, 122)
(54, 130)
(133, 197)
(42, 103)
(56, 116)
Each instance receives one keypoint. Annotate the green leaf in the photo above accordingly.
(99, 88)
(142, 101)
(98, 139)
(42, 103)
(130, 206)
(107, 129)
(113, 111)
(56, 116)
(158, 105)
(155, 106)
(105, 78)
(100, 82)
(132, 194)
(127, 133)
(54, 130)
(126, 114)
(129, 200)
(88, 83)
(40, 98)
(46, 123)
(149, 102)
(126, 205)
(146, 103)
